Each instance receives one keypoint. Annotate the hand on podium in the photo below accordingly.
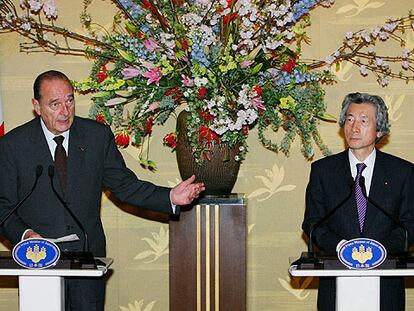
(30, 234)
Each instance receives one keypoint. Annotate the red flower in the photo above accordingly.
(170, 140)
(175, 92)
(258, 90)
(184, 43)
(148, 125)
(201, 93)
(229, 17)
(100, 117)
(207, 136)
(290, 65)
(230, 3)
(122, 139)
(154, 10)
(207, 117)
(101, 74)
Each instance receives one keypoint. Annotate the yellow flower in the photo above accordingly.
(287, 103)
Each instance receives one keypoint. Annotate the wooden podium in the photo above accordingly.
(208, 256)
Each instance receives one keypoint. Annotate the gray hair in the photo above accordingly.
(383, 124)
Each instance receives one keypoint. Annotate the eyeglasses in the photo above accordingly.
(55, 106)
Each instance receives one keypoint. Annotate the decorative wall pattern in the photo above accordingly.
(274, 184)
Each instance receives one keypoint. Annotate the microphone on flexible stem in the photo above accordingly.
(308, 258)
(326, 217)
(39, 171)
(396, 221)
(51, 172)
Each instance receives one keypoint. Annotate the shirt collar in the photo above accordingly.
(369, 161)
(49, 135)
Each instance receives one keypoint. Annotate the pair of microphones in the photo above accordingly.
(310, 258)
(51, 173)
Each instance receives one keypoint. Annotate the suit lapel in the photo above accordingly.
(378, 191)
(76, 155)
(344, 181)
(38, 149)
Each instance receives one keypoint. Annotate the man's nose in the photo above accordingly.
(356, 126)
(63, 109)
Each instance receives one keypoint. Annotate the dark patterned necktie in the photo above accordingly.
(360, 198)
(60, 160)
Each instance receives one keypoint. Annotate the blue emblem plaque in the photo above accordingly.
(36, 253)
(362, 254)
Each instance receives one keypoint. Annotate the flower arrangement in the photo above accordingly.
(231, 64)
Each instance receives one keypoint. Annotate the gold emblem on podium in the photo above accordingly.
(362, 255)
(35, 254)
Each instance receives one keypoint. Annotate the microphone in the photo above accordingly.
(39, 171)
(308, 258)
(327, 216)
(396, 221)
(51, 172)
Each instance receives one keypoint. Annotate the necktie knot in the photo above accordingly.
(360, 168)
(59, 140)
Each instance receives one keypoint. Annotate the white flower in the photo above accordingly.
(365, 36)
(35, 5)
(384, 81)
(50, 9)
(329, 59)
(349, 35)
(379, 62)
(405, 65)
(26, 26)
(375, 32)
(9, 17)
(405, 53)
(200, 81)
(384, 35)
(390, 27)
(363, 70)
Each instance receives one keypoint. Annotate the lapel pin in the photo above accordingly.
(82, 148)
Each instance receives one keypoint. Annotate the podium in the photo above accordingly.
(208, 256)
(43, 290)
(357, 290)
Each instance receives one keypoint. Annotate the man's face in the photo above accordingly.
(56, 106)
(361, 128)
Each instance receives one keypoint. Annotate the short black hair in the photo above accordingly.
(47, 75)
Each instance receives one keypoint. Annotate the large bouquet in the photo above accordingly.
(231, 64)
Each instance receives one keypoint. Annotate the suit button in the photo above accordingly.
(69, 227)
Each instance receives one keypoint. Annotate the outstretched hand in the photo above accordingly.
(186, 191)
(30, 234)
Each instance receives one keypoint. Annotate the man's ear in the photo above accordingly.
(380, 134)
(36, 106)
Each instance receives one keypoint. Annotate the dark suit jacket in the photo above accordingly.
(93, 161)
(392, 187)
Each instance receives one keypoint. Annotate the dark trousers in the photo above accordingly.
(84, 294)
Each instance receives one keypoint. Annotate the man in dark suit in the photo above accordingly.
(389, 182)
(92, 161)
